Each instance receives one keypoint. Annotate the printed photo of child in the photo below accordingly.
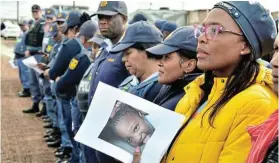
(127, 128)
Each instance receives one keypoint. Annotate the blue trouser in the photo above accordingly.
(55, 119)
(23, 73)
(76, 118)
(89, 153)
(65, 122)
(49, 98)
(35, 85)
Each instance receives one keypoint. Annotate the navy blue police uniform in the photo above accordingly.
(140, 32)
(170, 94)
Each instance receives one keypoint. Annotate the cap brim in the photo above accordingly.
(97, 40)
(50, 16)
(162, 49)
(120, 47)
(105, 12)
(60, 20)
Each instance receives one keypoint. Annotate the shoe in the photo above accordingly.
(52, 138)
(59, 149)
(54, 144)
(45, 117)
(49, 130)
(48, 125)
(55, 132)
(47, 120)
(64, 152)
(65, 159)
(33, 109)
(24, 93)
(42, 112)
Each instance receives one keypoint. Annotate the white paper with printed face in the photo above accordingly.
(31, 62)
(117, 122)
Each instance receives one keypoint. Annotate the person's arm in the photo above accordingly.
(33, 50)
(61, 63)
(66, 53)
(238, 143)
(72, 78)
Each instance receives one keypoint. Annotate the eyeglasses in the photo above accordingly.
(211, 31)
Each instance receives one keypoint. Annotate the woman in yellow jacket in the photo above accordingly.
(235, 92)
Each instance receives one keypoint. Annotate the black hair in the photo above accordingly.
(124, 110)
(83, 18)
(190, 55)
(243, 76)
(143, 46)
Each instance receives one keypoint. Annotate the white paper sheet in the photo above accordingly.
(105, 106)
(31, 62)
(12, 63)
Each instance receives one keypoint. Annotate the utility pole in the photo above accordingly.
(17, 11)
(74, 5)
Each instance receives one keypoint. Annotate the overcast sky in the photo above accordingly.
(8, 8)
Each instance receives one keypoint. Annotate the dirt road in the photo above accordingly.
(21, 135)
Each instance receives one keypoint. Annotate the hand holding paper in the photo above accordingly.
(121, 124)
(31, 62)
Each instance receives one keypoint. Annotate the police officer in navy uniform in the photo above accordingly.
(19, 51)
(142, 66)
(108, 68)
(68, 51)
(53, 135)
(71, 78)
(179, 55)
(49, 95)
(34, 39)
(47, 46)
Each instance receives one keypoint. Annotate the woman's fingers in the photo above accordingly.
(137, 156)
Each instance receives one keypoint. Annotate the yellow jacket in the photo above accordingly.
(229, 141)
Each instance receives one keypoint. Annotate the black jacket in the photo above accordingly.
(170, 95)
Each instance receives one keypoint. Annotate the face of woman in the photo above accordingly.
(274, 63)
(220, 45)
(134, 129)
(134, 61)
(170, 68)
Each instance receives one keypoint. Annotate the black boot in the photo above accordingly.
(42, 112)
(65, 151)
(24, 93)
(33, 109)
(54, 144)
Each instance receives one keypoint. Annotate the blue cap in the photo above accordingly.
(256, 24)
(53, 30)
(72, 19)
(88, 29)
(138, 17)
(169, 26)
(139, 32)
(98, 38)
(111, 8)
(160, 23)
(182, 38)
(61, 16)
(50, 13)
(23, 22)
